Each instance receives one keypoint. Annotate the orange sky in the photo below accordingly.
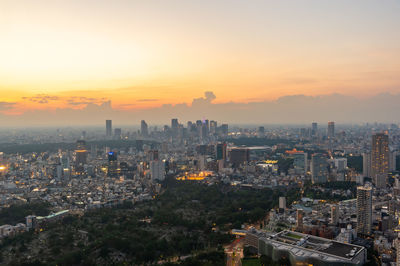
(142, 54)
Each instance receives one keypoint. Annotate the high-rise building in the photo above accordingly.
(118, 133)
(364, 209)
(282, 203)
(314, 129)
(224, 129)
(80, 156)
(300, 162)
(380, 159)
(261, 132)
(331, 129)
(366, 164)
(299, 218)
(213, 127)
(144, 130)
(335, 214)
(113, 170)
(319, 168)
(238, 156)
(157, 170)
(220, 151)
(108, 128)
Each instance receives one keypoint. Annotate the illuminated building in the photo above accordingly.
(108, 128)
(80, 157)
(303, 249)
(364, 210)
(113, 170)
(380, 159)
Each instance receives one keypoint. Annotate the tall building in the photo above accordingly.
(392, 161)
(364, 210)
(224, 129)
(319, 168)
(335, 214)
(118, 133)
(144, 130)
(314, 129)
(108, 128)
(157, 170)
(300, 162)
(380, 159)
(331, 129)
(282, 203)
(213, 127)
(113, 170)
(366, 164)
(299, 218)
(80, 156)
(238, 156)
(220, 151)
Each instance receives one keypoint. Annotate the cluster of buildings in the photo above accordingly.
(108, 168)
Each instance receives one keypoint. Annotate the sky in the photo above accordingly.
(135, 58)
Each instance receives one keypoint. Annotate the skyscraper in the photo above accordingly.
(335, 214)
(364, 209)
(366, 164)
(144, 130)
(331, 129)
(314, 128)
(319, 168)
(380, 159)
(108, 128)
(220, 151)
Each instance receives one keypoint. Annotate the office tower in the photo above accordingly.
(144, 130)
(224, 129)
(174, 123)
(364, 210)
(380, 159)
(300, 162)
(335, 214)
(83, 135)
(319, 168)
(282, 203)
(112, 164)
(213, 127)
(139, 145)
(239, 156)
(299, 218)
(220, 151)
(108, 128)
(314, 129)
(118, 133)
(157, 170)
(366, 164)
(80, 156)
(331, 129)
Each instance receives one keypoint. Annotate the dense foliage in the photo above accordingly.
(188, 219)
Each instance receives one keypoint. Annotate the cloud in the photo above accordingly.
(6, 105)
(76, 101)
(209, 97)
(42, 98)
(291, 109)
